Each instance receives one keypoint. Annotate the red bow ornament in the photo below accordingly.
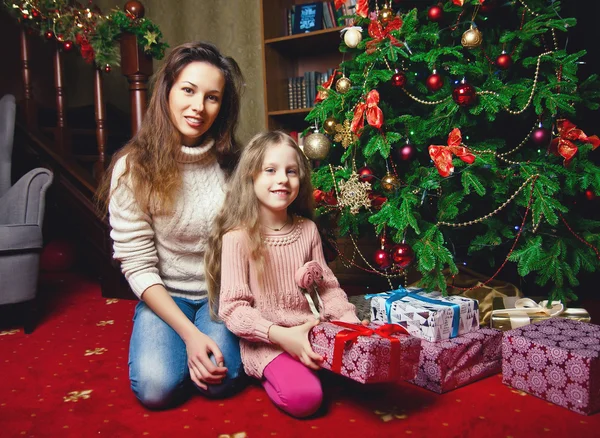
(362, 6)
(327, 86)
(371, 110)
(380, 33)
(563, 144)
(442, 155)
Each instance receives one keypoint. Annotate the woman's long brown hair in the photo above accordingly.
(151, 164)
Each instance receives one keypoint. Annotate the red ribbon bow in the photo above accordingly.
(563, 144)
(354, 331)
(362, 6)
(373, 113)
(326, 85)
(442, 155)
(379, 33)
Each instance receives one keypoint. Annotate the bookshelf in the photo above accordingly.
(287, 56)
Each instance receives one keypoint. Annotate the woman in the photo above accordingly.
(162, 193)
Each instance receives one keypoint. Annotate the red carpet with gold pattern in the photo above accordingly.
(69, 379)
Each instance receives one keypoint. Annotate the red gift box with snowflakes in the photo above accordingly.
(557, 360)
(456, 362)
(373, 354)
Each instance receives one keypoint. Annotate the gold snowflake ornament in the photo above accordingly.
(354, 193)
(345, 134)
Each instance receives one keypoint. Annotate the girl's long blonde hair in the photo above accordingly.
(151, 153)
(240, 209)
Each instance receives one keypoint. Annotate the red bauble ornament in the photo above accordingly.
(434, 82)
(404, 153)
(464, 94)
(318, 195)
(67, 46)
(107, 68)
(590, 195)
(382, 259)
(435, 13)
(49, 34)
(541, 136)
(399, 79)
(504, 61)
(403, 255)
(365, 174)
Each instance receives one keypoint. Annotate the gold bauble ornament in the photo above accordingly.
(343, 85)
(324, 93)
(352, 36)
(389, 183)
(472, 38)
(316, 146)
(329, 125)
(386, 15)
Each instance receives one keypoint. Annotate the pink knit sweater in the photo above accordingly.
(249, 310)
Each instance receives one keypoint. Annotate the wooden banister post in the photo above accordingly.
(137, 67)
(30, 111)
(101, 132)
(61, 137)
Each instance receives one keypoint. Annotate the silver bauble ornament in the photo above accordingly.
(316, 146)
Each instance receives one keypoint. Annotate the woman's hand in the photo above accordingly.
(294, 341)
(202, 369)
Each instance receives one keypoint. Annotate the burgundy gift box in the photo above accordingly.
(558, 360)
(370, 354)
(450, 364)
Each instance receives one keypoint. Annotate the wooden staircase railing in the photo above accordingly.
(71, 197)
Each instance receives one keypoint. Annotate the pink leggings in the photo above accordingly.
(292, 386)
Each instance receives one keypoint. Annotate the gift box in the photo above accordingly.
(558, 360)
(370, 354)
(512, 312)
(450, 364)
(426, 315)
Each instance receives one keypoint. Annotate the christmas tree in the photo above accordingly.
(448, 132)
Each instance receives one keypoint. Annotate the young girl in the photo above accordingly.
(262, 237)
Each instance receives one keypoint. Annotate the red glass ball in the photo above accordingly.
(319, 196)
(464, 95)
(365, 174)
(504, 61)
(435, 13)
(541, 136)
(49, 34)
(404, 153)
(434, 82)
(403, 255)
(590, 195)
(382, 259)
(67, 46)
(399, 79)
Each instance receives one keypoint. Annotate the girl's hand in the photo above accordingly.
(202, 369)
(365, 322)
(294, 341)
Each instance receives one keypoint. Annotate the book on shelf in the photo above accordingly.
(308, 17)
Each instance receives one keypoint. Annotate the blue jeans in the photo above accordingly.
(158, 368)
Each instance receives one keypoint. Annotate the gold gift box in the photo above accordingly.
(507, 320)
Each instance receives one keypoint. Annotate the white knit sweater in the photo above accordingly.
(169, 249)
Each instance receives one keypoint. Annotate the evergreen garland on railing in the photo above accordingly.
(95, 34)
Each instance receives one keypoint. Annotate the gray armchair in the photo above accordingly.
(21, 217)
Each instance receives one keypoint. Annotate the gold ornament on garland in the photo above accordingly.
(389, 182)
(354, 193)
(345, 134)
(316, 146)
(472, 38)
(343, 85)
(329, 125)
(386, 15)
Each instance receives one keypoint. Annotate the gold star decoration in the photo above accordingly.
(75, 396)
(345, 134)
(354, 193)
(97, 351)
(151, 38)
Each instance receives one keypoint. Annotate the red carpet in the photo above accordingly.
(69, 379)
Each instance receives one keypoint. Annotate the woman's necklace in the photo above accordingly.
(287, 219)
